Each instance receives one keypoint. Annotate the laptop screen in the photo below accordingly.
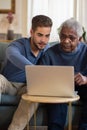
(50, 80)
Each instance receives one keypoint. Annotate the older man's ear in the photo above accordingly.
(81, 39)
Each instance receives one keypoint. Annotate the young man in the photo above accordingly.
(69, 52)
(21, 52)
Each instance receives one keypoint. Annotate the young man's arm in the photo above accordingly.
(14, 55)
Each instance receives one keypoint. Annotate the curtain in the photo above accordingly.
(80, 12)
(58, 11)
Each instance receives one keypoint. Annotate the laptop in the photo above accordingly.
(50, 81)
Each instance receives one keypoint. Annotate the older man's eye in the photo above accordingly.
(63, 37)
(72, 38)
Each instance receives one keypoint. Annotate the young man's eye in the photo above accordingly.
(47, 36)
(39, 35)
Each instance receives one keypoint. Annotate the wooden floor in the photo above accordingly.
(40, 128)
(37, 128)
(45, 128)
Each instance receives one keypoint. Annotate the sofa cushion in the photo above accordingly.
(6, 114)
(9, 100)
(3, 47)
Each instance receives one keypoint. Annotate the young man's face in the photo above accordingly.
(40, 37)
(68, 39)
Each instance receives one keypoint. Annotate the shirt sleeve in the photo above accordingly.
(44, 60)
(14, 55)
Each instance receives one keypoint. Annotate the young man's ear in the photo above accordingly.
(31, 31)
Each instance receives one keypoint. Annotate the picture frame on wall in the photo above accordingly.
(7, 6)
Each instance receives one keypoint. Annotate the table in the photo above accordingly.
(46, 99)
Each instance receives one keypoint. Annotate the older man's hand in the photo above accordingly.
(80, 79)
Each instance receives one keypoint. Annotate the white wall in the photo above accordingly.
(58, 10)
(20, 19)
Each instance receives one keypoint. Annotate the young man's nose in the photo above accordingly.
(43, 39)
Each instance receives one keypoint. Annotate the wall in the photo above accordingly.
(24, 17)
(20, 19)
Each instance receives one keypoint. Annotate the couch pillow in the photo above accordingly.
(3, 47)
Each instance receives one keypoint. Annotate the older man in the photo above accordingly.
(69, 52)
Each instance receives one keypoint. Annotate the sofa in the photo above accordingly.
(8, 104)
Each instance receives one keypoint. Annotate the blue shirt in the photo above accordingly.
(19, 54)
(56, 56)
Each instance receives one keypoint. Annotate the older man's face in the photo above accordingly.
(68, 39)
